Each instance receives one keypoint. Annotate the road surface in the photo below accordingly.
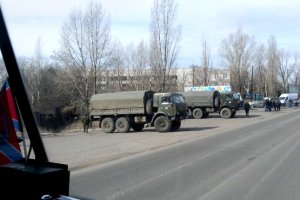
(253, 162)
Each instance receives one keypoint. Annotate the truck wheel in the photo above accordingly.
(137, 127)
(197, 113)
(175, 125)
(162, 124)
(149, 107)
(225, 113)
(122, 125)
(108, 125)
(217, 102)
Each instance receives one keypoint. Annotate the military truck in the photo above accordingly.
(201, 103)
(121, 111)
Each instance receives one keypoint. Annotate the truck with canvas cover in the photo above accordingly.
(121, 111)
(201, 103)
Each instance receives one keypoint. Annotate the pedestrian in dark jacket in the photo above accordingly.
(278, 105)
(247, 108)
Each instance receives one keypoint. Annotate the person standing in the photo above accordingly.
(247, 108)
(278, 105)
(86, 123)
(266, 105)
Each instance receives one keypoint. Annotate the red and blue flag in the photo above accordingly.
(9, 125)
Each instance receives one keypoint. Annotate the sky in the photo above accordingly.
(31, 20)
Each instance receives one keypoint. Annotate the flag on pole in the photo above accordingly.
(9, 124)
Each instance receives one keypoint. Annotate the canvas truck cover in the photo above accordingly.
(200, 98)
(123, 101)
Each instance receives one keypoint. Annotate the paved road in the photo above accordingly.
(254, 162)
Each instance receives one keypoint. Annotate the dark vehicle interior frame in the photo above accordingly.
(28, 178)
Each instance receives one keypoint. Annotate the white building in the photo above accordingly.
(182, 77)
(195, 76)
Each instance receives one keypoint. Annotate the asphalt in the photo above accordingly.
(78, 149)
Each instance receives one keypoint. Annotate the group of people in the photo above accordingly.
(269, 104)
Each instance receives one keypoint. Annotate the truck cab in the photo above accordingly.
(229, 104)
(170, 109)
(171, 103)
(229, 99)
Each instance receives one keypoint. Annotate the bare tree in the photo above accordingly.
(33, 73)
(296, 72)
(272, 68)
(138, 66)
(164, 41)
(201, 75)
(206, 63)
(285, 69)
(260, 61)
(118, 77)
(99, 45)
(236, 52)
(86, 49)
(68, 92)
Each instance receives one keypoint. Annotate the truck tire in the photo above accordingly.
(108, 125)
(175, 125)
(122, 125)
(217, 102)
(149, 107)
(162, 124)
(198, 113)
(216, 99)
(225, 113)
(137, 127)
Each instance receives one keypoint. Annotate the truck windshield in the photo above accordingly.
(166, 100)
(236, 96)
(178, 99)
(229, 97)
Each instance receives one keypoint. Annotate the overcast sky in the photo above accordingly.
(212, 20)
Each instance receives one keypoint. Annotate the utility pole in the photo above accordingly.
(193, 71)
(252, 93)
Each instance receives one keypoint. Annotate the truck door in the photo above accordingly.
(167, 106)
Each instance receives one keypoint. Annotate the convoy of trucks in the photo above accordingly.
(201, 103)
(121, 111)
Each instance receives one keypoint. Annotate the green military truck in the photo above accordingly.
(201, 103)
(121, 111)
